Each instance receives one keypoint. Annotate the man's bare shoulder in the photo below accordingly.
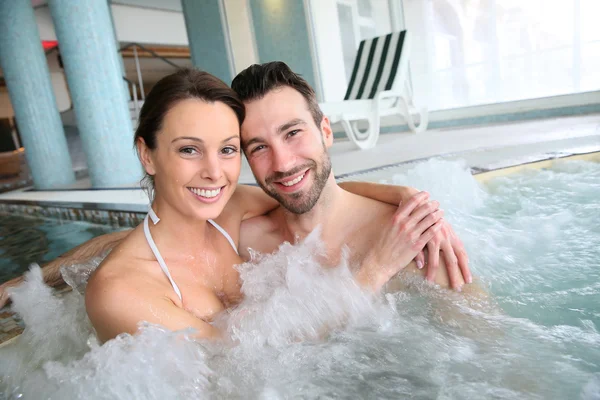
(366, 219)
(262, 223)
(260, 233)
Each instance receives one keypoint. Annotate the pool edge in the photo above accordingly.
(10, 341)
(485, 176)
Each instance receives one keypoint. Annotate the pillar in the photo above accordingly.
(27, 78)
(208, 37)
(88, 49)
(282, 34)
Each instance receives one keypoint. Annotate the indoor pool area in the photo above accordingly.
(299, 199)
(525, 206)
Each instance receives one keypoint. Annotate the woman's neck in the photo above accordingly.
(176, 229)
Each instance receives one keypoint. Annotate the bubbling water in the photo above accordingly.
(304, 330)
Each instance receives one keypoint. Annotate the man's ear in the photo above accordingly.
(327, 132)
(146, 156)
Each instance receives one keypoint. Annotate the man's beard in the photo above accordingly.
(301, 202)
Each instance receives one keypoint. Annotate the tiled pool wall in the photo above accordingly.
(115, 218)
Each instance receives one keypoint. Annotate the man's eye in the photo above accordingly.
(257, 148)
(293, 133)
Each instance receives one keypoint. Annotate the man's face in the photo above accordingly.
(286, 150)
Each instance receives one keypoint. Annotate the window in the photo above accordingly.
(340, 26)
(468, 53)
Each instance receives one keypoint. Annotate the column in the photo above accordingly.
(208, 37)
(27, 77)
(119, 55)
(87, 45)
(283, 34)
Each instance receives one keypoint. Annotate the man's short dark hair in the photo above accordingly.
(257, 80)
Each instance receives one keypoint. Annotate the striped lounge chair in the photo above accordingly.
(378, 87)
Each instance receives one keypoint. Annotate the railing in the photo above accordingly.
(135, 46)
(133, 89)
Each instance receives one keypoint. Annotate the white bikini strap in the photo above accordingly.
(159, 258)
(224, 232)
(153, 216)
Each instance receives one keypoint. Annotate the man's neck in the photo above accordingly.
(323, 214)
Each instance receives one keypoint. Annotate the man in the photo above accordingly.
(285, 138)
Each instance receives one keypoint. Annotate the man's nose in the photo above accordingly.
(283, 159)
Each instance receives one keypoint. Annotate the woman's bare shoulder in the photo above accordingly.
(127, 261)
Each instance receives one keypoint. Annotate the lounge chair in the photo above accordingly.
(378, 87)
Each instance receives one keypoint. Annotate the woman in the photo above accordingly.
(188, 141)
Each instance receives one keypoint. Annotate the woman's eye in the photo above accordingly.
(188, 150)
(229, 150)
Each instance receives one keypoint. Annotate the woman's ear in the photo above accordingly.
(146, 157)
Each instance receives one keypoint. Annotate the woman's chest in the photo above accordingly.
(208, 283)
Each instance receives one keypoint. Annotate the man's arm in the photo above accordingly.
(390, 194)
(445, 240)
(405, 235)
(80, 254)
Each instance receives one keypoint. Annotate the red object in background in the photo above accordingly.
(49, 44)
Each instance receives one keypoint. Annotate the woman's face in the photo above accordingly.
(197, 160)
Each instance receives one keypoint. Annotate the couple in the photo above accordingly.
(177, 268)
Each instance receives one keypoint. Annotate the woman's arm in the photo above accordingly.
(252, 201)
(390, 194)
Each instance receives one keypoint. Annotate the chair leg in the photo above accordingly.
(410, 120)
(366, 139)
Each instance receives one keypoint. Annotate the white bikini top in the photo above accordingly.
(161, 260)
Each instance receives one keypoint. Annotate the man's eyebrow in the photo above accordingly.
(282, 128)
(288, 125)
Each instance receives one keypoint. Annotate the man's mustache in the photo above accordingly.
(277, 176)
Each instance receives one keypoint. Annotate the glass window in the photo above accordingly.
(365, 8)
(346, 22)
(340, 26)
(470, 53)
